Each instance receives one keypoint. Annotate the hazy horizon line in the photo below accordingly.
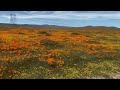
(62, 25)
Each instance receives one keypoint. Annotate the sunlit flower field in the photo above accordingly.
(59, 53)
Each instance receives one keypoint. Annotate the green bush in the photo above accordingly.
(50, 43)
(44, 33)
(74, 34)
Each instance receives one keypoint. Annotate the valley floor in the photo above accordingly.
(59, 53)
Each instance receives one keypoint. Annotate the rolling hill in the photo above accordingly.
(56, 26)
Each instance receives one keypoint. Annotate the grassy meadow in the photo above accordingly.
(59, 53)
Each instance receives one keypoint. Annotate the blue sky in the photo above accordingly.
(64, 18)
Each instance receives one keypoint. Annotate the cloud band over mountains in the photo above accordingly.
(49, 17)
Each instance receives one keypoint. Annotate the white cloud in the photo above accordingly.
(66, 15)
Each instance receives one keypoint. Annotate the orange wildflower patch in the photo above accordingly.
(60, 63)
(50, 61)
(0, 75)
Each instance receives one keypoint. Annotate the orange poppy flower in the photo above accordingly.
(50, 61)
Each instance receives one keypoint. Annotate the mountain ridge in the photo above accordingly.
(55, 26)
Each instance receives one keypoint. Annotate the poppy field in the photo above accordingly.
(59, 53)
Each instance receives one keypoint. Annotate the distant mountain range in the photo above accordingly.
(98, 28)
(55, 26)
(31, 25)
